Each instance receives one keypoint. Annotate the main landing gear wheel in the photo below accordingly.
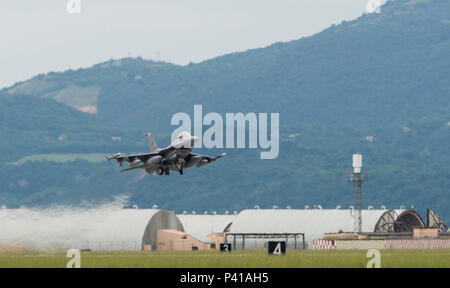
(160, 171)
(181, 162)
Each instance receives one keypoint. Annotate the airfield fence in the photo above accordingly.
(109, 245)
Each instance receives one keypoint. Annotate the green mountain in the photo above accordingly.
(377, 85)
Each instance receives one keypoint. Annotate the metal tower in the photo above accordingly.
(357, 178)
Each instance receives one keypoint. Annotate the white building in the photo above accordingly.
(314, 223)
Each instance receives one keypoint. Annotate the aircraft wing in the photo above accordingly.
(132, 158)
(207, 159)
(140, 158)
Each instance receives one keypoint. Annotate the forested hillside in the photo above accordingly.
(377, 85)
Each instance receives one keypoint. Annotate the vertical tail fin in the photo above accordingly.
(151, 142)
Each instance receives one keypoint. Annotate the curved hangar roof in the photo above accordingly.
(131, 229)
(315, 223)
(94, 229)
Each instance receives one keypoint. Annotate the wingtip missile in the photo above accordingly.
(220, 155)
(115, 156)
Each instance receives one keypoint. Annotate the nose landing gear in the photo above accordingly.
(181, 161)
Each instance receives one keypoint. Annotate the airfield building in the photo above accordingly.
(251, 229)
(153, 229)
(206, 228)
(86, 229)
(132, 229)
(203, 226)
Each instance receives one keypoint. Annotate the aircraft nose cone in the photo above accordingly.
(195, 138)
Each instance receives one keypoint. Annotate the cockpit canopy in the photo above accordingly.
(184, 135)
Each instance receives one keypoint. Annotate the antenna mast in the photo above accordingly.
(357, 178)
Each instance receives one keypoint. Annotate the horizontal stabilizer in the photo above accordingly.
(220, 156)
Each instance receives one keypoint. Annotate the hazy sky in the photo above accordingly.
(41, 36)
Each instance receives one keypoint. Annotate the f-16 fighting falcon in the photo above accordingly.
(176, 156)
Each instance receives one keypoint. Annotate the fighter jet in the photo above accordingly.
(177, 156)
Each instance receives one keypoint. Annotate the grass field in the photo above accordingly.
(235, 259)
